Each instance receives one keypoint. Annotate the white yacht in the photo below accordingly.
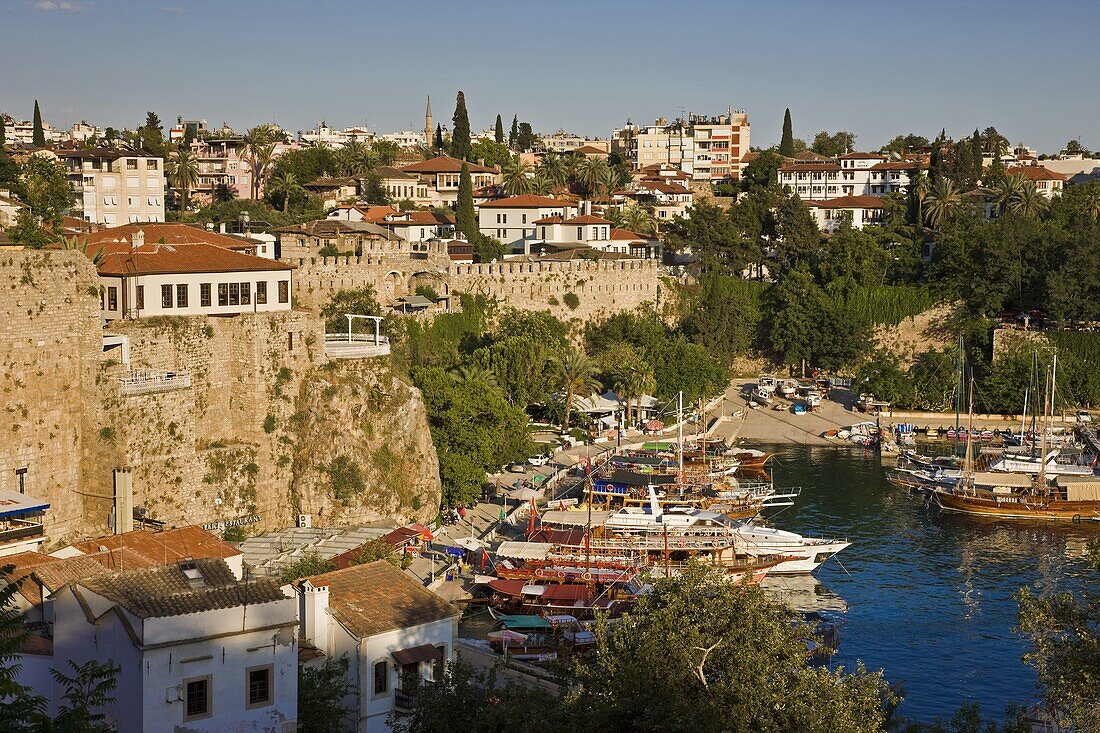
(1010, 462)
(806, 553)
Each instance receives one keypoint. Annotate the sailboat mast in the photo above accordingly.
(969, 464)
(1043, 440)
(958, 393)
(680, 442)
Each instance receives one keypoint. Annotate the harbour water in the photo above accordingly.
(929, 598)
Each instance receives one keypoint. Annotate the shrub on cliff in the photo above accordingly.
(346, 477)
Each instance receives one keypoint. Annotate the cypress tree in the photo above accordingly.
(500, 130)
(39, 133)
(460, 133)
(465, 218)
(786, 144)
(976, 152)
(3, 131)
(514, 134)
(438, 142)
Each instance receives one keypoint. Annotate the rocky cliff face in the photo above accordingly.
(267, 428)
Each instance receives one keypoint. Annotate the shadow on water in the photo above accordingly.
(930, 598)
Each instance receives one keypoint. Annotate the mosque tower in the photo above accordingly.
(429, 132)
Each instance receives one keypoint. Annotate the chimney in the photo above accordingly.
(124, 500)
(137, 239)
(314, 614)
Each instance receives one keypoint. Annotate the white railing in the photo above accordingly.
(356, 345)
(144, 381)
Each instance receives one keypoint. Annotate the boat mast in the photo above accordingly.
(1042, 480)
(958, 394)
(968, 470)
(680, 423)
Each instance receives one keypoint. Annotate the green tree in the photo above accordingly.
(183, 174)
(680, 365)
(460, 132)
(363, 301)
(762, 170)
(833, 145)
(486, 248)
(323, 689)
(465, 215)
(525, 137)
(942, 203)
(513, 133)
(726, 316)
(639, 220)
(378, 549)
(793, 306)
(576, 376)
(976, 155)
(28, 233)
(90, 687)
(306, 165)
(710, 233)
(903, 144)
(374, 190)
(151, 136)
(258, 149)
(799, 236)
(282, 186)
(309, 564)
(786, 143)
(437, 142)
(499, 136)
(38, 135)
(490, 153)
(702, 654)
(3, 131)
(514, 175)
(45, 189)
(385, 152)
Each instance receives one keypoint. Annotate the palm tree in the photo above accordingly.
(285, 184)
(577, 376)
(943, 201)
(257, 148)
(1090, 203)
(514, 174)
(1029, 202)
(612, 180)
(554, 168)
(223, 192)
(639, 220)
(1008, 190)
(356, 159)
(541, 184)
(475, 373)
(632, 383)
(183, 174)
(591, 173)
(80, 244)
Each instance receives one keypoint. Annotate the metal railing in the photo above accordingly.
(144, 381)
(356, 345)
(20, 530)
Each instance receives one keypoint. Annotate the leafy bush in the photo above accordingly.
(571, 300)
(346, 477)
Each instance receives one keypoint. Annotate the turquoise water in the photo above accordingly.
(929, 598)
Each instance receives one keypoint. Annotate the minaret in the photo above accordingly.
(429, 132)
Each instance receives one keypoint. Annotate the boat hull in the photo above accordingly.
(1018, 507)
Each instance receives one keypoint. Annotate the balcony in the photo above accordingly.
(145, 381)
(12, 530)
(353, 345)
(405, 700)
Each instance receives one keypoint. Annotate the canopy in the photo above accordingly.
(524, 622)
(422, 653)
(524, 550)
(468, 543)
(654, 425)
(524, 494)
(12, 504)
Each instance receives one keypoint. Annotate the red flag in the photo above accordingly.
(531, 519)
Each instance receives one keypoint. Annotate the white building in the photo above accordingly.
(566, 142)
(396, 634)
(861, 211)
(706, 148)
(197, 649)
(419, 226)
(556, 233)
(854, 174)
(115, 186)
(1047, 182)
(408, 139)
(325, 136)
(438, 179)
(22, 133)
(512, 220)
(186, 277)
(668, 199)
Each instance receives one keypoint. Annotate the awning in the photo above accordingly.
(12, 504)
(422, 653)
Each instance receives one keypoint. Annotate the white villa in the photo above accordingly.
(512, 220)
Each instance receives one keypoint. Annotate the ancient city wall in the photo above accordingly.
(253, 435)
(601, 287)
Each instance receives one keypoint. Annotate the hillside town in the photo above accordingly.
(494, 425)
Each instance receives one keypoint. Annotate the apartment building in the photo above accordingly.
(114, 185)
(21, 132)
(853, 174)
(708, 149)
(567, 142)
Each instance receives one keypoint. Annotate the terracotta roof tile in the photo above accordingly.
(167, 591)
(376, 597)
(161, 548)
(154, 232)
(810, 168)
(444, 164)
(1035, 173)
(150, 259)
(848, 202)
(586, 219)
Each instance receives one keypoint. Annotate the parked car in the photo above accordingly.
(1084, 416)
(517, 468)
(539, 460)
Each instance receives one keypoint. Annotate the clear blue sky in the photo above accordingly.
(875, 68)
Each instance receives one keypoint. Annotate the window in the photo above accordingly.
(223, 294)
(196, 698)
(181, 295)
(246, 294)
(133, 200)
(112, 299)
(165, 296)
(234, 293)
(151, 164)
(284, 291)
(204, 295)
(261, 292)
(580, 234)
(131, 164)
(140, 296)
(439, 664)
(381, 677)
(21, 477)
(524, 218)
(259, 687)
(154, 201)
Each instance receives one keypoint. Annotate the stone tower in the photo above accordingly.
(429, 132)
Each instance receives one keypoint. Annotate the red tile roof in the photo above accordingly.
(862, 156)
(810, 168)
(586, 219)
(589, 150)
(625, 235)
(170, 233)
(159, 548)
(444, 164)
(1035, 173)
(417, 218)
(158, 259)
(376, 597)
(525, 201)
